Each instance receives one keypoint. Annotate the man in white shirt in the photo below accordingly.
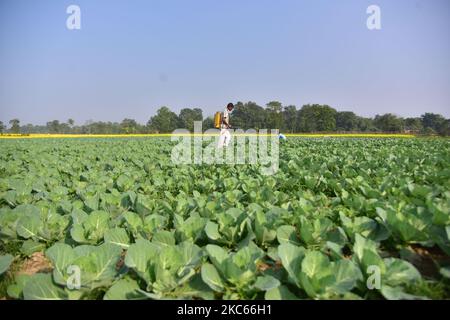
(225, 135)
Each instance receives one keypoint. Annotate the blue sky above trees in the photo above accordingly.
(130, 58)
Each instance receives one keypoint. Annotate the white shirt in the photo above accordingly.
(226, 118)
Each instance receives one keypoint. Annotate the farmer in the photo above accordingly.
(225, 136)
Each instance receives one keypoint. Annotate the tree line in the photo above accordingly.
(308, 119)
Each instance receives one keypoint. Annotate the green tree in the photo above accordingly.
(346, 121)
(290, 119)
(428, 131)
(188, 116)
(129, 126)
(100, 127)
(28, 128)
(208, 123)
(2, 127)
(366, 124)
(434, 121)
(249, 116)
(53, 126)
(165, 121)
(64, 128)
(389, 123)
(446, 128)
(71, 124)
(240, 116)
(274, 115)
(316, 118)
(413, 124)
(15, 125)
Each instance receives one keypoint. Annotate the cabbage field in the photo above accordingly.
(113, 218)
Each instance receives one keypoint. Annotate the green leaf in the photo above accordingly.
(77, 234)
(124, 289)
(364, 226)
(117, 236)
(133, 220)
(217, 255)
(152, 296)
(195, 288)
(212, 230)
(75, 294)
(164, 238)
(367, 254)
(317, 273)
(280, 293)
(371, 258)
(5, 262)
(398, 293)
(29, 226)
(15, 290)
(287, 234)
(62, 256)
(445, 271)
(142, 205)
(291, 257)
(266, 283)
(347, 275)
(106, 258)
(98, 268)
(139, 254)
(78, 216)
(84, 250)
(400, 272)
(29, 247)
(97, 222)
(41, 287)
(211, 277)
(313, 263)
(191, 228)
(191, 253)
(334, 249)
(92, 203)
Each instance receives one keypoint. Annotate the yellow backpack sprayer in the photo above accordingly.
(218, 120)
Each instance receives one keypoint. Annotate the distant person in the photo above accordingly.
(225, 135)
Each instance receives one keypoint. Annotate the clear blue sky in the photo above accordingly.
(131, 57)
